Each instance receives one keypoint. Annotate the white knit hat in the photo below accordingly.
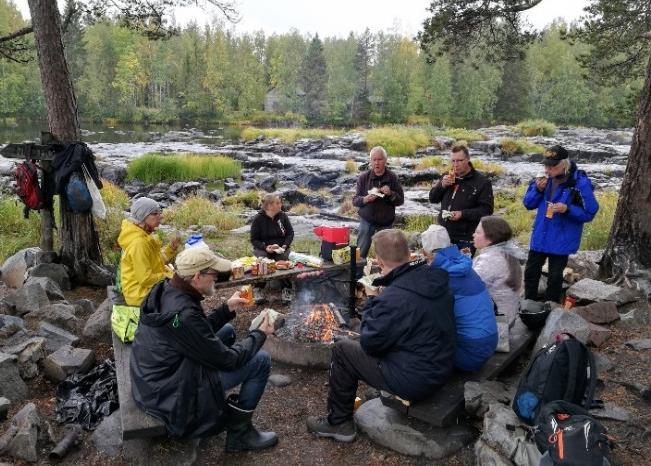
(435, 237)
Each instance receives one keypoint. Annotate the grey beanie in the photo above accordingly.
(142, 207)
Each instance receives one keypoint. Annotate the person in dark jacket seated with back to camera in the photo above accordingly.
(271, 236)
(182, 361)
(407, 338)
(466, 196)
(474, 311)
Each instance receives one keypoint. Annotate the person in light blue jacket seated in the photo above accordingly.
(473, 307)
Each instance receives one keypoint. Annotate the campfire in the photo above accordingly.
(321, 323)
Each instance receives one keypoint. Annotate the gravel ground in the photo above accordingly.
(284, 410)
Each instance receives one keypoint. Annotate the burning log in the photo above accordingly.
(320, 324)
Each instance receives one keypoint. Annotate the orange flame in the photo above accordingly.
(321, 322)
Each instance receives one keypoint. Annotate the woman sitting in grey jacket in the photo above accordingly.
(498, 264)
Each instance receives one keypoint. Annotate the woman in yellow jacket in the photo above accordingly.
(143, 262)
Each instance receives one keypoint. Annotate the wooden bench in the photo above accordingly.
(135, 422)
(445, 406)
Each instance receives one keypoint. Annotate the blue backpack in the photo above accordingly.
(78, 197)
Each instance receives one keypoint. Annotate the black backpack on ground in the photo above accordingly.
(570, 436)
(565, 370)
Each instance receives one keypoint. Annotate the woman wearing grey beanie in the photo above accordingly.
(144, 261)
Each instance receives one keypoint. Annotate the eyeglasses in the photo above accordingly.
(213, 273)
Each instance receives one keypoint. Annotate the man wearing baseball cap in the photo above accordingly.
(183, 360)
(565, 201)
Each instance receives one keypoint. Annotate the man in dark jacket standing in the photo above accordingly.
(564, 199)
(465, 196)
(378, 194)
(407, 341)
(182, 361)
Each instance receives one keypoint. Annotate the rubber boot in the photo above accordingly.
(241, 435)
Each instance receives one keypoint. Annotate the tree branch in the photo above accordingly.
(522, 6)
(645, 35)
(19, 33)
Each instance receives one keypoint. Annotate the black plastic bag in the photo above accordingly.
(87, 398)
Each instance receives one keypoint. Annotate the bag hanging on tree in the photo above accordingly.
(570, 436)
(27, 187)
(78, 196)
(565, 370)
(98, 208)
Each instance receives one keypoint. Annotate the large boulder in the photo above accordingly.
(19, 441)
(56, 337)
(603, 312)
(588, 291)
(67, 360)
(30, 298)
(503, 441)
(98, 325)
(14, 268)
(52, 288)
(107, 437)
(56, 272)
(598, 335)
(29, 353)
(61, 315)
(11, 385)
(393, 430)
(559, 321)
(585, 263)
(480, 395)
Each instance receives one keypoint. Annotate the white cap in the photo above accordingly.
(435, 237)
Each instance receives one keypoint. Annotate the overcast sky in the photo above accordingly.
(339, 17)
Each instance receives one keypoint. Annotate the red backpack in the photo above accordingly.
(27, 187)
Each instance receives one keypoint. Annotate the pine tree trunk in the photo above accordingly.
(627, 257)
(80, 250)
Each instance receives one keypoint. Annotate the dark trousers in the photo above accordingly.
(349, 365)
(252, 376)
(533, 270)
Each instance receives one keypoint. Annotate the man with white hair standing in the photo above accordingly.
(565, 201)
(378, 194)
(143, 260)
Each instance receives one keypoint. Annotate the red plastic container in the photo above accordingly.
(337, 235)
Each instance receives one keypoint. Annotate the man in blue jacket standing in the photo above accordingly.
(565, 201)
(407, 340)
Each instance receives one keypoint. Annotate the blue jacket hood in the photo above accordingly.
(453, 261)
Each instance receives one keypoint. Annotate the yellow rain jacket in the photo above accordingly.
(143, 262)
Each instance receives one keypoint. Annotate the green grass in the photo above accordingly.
(351, 166)
(508, 204)
(461, 134)
(200, 211)
(108, 229)
(418, 120)
(347, 208)
(595, 233)
(512, 146)
(17, 233)
(398, 140)
(419, 223)
(289, 135)
(536, 128)
(243, 198)
(489, 168)
(154, 168)
(436, 161)
(303, 209)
